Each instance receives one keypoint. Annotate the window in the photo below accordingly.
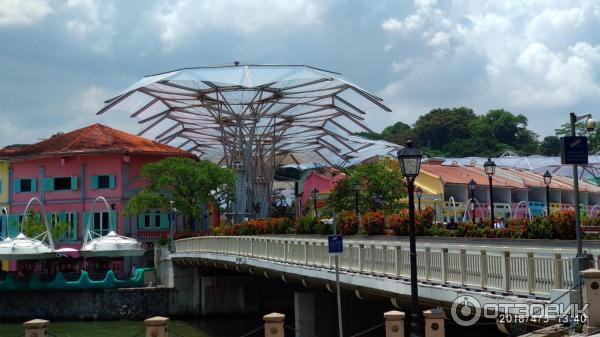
(103, 181)
(71, 219)
(153, 220)
(25, 185)
(100, 223)
(60, 184)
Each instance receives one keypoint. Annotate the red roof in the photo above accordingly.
(96, 138)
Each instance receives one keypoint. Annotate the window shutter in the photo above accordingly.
(141, 221)
(85, 225)
(113, 222)
(74, 183)
(17, 185)
(74, 227)
(34, 185)
(111, 181)
(48, 184)
(13, 225)
(94, 182)
(164, 220)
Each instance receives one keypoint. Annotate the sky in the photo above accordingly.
(60, 59)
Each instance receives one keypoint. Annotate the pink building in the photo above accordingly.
(324, 181)
(68, 171)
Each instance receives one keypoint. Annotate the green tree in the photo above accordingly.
(33, 225)
(441, 126)
(381, 184)
(190, 184)
(550, 146)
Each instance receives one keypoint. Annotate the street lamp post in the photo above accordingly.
(410, 164)
(547, 181)
(419, 192)
(356, 192)
(472, 185)
(490, 169)
(171, 224)
(314, 194)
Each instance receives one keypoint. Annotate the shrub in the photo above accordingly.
(398, 223)
(347, 223)
(325, 229)
(374, 223)
(308, 225)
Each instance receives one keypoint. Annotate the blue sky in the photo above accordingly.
(61, 59)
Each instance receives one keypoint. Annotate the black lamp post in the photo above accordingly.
(547, 181)
(410, 164)
(490, 169)
(356, 192)
(472, 185)
(419, 192)
(314, 195)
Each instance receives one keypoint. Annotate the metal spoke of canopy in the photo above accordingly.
(254, 118)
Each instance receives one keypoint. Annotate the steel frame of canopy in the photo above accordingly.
(254, 129)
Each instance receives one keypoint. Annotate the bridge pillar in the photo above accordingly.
(227, 294)
(185, 299)
(434, 322)
(394, 323)
(274, 324)
(156, 326)
(304, 313)
(35, 328)
(591, 296)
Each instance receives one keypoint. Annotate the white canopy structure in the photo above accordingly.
(255, 118)
(112, 244)
(109, 245)
(24, 248)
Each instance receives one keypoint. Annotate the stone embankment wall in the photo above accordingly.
(93, 304)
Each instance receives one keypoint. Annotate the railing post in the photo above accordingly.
(361, 261)
(558, 272)
(506, 271)
(394, 323)
(398, 260)
(427, 263)
(323, 251)
(251, 247)
(444, 265)
(274, 324)
(463, 267)
(384, 256)
(591, 296)
(36, 328)
(239, 247)
(483, 269)
(267, 246)
(530, 273)
(372, 255)
(285, 251)
(305, 244)
(157, 326)
(434, 323)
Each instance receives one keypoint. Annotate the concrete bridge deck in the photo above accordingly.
(492, 271)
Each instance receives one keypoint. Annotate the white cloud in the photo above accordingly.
(23, 12)
(92, 22)
(521, 55)
(403, 65)
(180, 18)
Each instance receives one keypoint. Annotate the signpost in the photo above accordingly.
(574, 150)
(335, 245)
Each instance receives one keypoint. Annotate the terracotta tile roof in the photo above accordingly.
(96, 138)
(464, 174)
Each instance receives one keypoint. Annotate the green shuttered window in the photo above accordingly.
(25, 185)
(103, 181)
(153, 220)
(60, 184)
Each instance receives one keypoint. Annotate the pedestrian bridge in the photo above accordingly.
(492, 272)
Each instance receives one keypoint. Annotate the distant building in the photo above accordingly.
(68, 171)
(323, 179)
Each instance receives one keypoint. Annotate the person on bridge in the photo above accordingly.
(499, 224)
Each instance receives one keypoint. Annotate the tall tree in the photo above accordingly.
(550, 146)
(381, 187)
(190, 184)
(440, 126)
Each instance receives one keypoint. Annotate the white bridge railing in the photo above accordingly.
(532, 271)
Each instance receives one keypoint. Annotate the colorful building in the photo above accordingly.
(68, 171)
(517, 193)
(323, 180)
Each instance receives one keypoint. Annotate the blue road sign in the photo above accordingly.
(335, 244)
(574, 150)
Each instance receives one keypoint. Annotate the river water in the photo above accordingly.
(215, 327)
